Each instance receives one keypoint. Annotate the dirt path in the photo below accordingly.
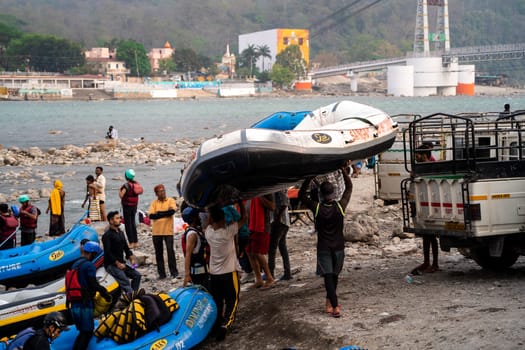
(460, 307)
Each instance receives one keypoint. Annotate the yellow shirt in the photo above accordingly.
(162, 226)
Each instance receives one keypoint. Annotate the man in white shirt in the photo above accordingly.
(100, 182)
(224, 266)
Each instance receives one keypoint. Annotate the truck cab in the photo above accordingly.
(472, 195)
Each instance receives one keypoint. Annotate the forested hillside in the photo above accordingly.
(342, 31)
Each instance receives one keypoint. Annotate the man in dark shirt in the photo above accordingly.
(54, 323)
(329, 224)
(115, 246)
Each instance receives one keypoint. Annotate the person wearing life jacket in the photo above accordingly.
(129, 197)
(195, 249)
(28, 220)
(40, 338)
(82, 310)
(8, 225)
(329, 216)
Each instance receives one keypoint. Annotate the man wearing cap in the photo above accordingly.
(82, 310)
(28, 220)
(161, 213)
(329, 216)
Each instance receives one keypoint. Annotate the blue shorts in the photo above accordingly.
(330, 261)
(82, 315)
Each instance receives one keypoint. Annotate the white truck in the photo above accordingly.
(390, 166)
(472, 196)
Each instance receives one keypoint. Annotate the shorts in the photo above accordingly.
(330, 261)
(259, 243)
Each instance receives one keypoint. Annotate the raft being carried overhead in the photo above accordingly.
(250, 162)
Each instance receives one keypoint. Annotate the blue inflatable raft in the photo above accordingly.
(42, 262)
(189, 326)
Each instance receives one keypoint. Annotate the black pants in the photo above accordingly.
(129, 214)
(278, 234)
(225, 291)
(243, 257)
(27, 236)
(159, 255)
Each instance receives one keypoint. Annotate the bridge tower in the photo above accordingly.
(422, 37)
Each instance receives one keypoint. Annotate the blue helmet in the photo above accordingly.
(92, 247)
(189, 214)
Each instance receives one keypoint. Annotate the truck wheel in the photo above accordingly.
(481, 256)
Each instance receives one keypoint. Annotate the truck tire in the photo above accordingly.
(481, 256)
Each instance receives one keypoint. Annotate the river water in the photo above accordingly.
(47, 124)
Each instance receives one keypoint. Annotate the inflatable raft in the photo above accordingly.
(42, 262)
(250, 162)
(188, 326)
(26, 307)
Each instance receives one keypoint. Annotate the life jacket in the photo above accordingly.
(21, 338)
(9, 225)
(73, 287)
(202, 257)
(133, 190)
(27, 222)
(144, 313)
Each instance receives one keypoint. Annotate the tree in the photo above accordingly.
(44, 53)
(7, 33)
(135, 56)
(281, 76)
(166, 66)
(186, 60)
(292, 58)
(264, 51)
(248, 58)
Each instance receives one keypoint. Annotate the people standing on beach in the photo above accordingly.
(329, 216)
(278, 231)
(91, 199)
(28, 220)
(8, 225)
(100, 181)
(82, 310)
(259, 226)
(116, 252)
(194, 247)
(161, 212)
(55, 209)
(224, 267)
(129, 196)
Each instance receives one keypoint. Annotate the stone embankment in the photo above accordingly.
(100, 152)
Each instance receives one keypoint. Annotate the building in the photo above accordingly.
(156, 55)
(103, 61)
(277, 41)
(227, 65)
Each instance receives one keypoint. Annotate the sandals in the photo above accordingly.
(336, 313)
(268, 285)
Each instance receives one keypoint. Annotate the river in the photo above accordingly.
(47, 124)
